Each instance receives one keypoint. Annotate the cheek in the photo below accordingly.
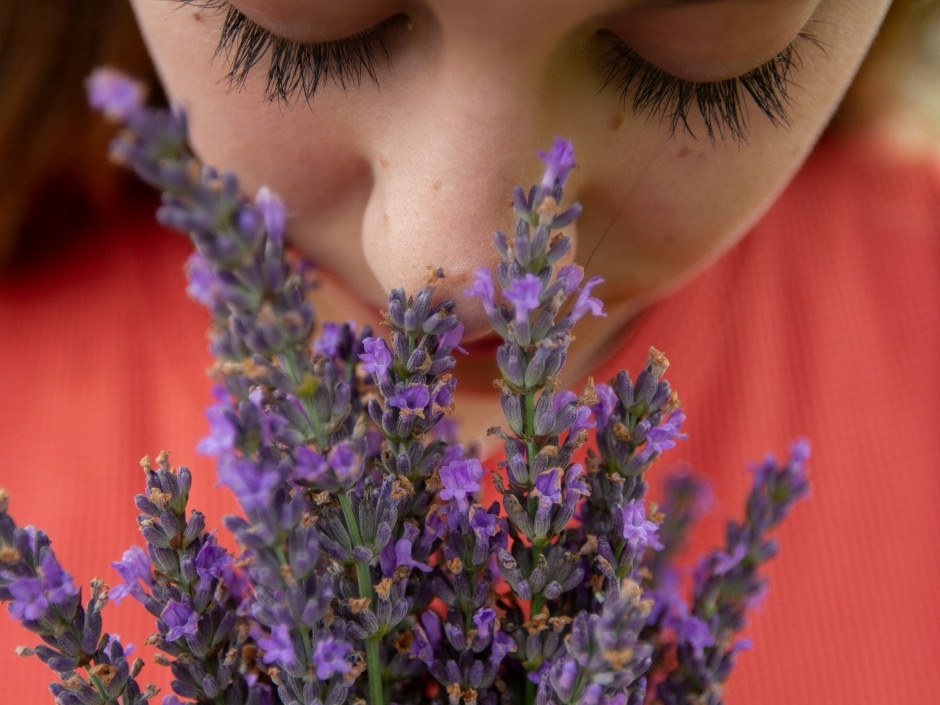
(670, 212)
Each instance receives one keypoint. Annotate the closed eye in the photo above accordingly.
(722, 106)
(297, 69)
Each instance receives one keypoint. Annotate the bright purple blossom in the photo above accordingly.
(309, 465)
(637, 529)
(524, 296)
(548, 487)
(181, 620)
(133, 566)
(56, 583)
(395, 555)
(482, 523)
(29, 603)
(483, 288)
(128, 649)
(461, 478)
(251, 485)
(559, 161)
(663, 437)
(570, 275)
(330, 658)
(272, 212)
(412, 399)
(221, 438)
(586, 303)
(724, 562)
(328, 342)
(115, 95)
(278, 647)
(484, 619)
(606, 404)
(451, 339)
(376, 357)
(695, 632)
(202, 284)
(211, 560)
(344, 461)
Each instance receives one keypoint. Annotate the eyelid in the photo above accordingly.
(297, 67)
(720, 104)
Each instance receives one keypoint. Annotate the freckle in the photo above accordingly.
(436, 185)
(198, 17)
(684, 151)
(615, 122)
(383, 160)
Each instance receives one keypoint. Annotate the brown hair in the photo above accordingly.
(53, 168)
(53, 151)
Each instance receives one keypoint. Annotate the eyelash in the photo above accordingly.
(721, 104)
(296, 68)
(301, 69)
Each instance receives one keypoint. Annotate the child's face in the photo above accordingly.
(416, 167)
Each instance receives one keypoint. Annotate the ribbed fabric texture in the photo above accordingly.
(823, 322)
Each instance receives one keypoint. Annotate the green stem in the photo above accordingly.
(364, 580)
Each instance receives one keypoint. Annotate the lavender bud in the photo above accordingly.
(512, 410)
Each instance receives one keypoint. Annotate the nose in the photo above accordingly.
(444, 166)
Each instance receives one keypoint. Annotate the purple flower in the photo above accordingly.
(570, 275)
(483, 288)
(221, 438)
(329, 340)
(29, 603)
(442, 396)
(484, 618)
(376, 357)
(724, 562)
(272, 212)
(344, 461)
(330, 658)
(278, 647)
(482, 523)
(413, 399)
(695, 632)
(575, 488)
(637, 529)
(548, 487)
(395, 555)
(114, 94)
(133, 566)
(524, 295)
(250, 484)
(460, 479)
(450, 339)
(56, 582)
(211, 560)
(202, 282)
(663, 437)
(309, 465)
(606, 404)
(585, 302)
(582, 421)
(559, 161)
(128, 649)
(181, 620)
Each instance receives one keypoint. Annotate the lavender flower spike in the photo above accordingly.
(559, 161)
(120, 98)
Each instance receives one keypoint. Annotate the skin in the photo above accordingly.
(382, 182)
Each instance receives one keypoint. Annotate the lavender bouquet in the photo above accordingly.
(369, 567)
